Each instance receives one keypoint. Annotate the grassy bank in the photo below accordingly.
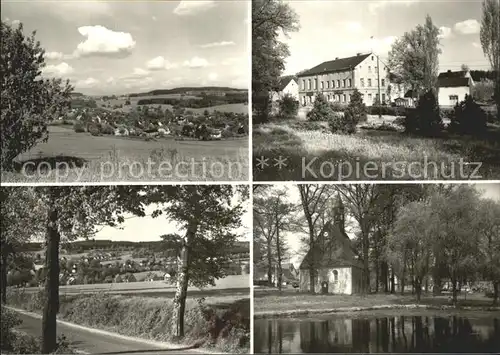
(210, 323)
(367, 155)
(291, 303)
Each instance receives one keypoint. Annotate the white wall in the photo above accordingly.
(292, 89)
(342, 286)
(444, 94)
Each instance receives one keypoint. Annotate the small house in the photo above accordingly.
(453, 86)
(288, 86)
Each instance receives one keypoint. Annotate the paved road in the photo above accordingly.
(90, 341)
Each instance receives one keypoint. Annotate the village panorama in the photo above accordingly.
(376, 268)
(365, 97)
(96, 95)
(80, 273)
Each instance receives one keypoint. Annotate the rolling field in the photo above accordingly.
(110, 158)
(236, 108)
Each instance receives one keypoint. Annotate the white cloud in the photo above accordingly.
(15, 22)
(192, 7)
(196, 62)
(159, 63)
(354, 26)
(103, 41)
(140, 72)
(374, 6)
(154, 18)
(87, 83)
(379, 46)
(58, 70)
(110, 80)
(218, 44)
(468, 27)
(212, 76)
(477, 45)
(53, 55)
(444, 32)
(230, 60)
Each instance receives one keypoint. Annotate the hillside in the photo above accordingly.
(185, 90)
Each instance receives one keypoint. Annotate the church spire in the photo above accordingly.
(339, 212)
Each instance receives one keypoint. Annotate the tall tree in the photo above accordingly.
(207, 216)
(270, 18)
(490, 41)
(314, 200)
(28, 102)
(414, 57)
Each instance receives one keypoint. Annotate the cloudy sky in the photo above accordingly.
(332, 29)
(488, 190)
(141, 229)
(120, 46)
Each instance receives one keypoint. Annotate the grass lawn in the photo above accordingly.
(110, 158)
(271, 302)
(313, 154)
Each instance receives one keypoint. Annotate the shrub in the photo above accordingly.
(321, 111)
(94, 128)
(386, 110)
(354, 114)
(468, 118)
(7, 336)
(425, 119)
(107, 129)
(338, 107)
(78, 127)
(288, 107)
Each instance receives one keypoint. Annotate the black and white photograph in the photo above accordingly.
(125, 269)
(125, 91)
(376, 268)
(375, 90)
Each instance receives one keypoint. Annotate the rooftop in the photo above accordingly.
(336, 65)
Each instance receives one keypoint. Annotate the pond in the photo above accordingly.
(389, 332)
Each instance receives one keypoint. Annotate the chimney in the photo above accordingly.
(449, 70)
(336, 58)
(358, 54)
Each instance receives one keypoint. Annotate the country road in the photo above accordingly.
(90, 341)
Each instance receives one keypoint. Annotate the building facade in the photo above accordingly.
(453, 87)
(337, 80)
(336, 265)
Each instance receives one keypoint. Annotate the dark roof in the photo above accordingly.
(451, 74)
(453, 82)
(337, 251)
(331, 66)
(285, 80)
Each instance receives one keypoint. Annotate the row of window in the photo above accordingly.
(336, 84)
(341, 98)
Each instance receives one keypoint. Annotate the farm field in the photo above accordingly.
(236, 108)
(111, 158)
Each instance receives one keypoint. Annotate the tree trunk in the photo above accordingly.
(49, 322)
(385, 275)
(366, 264)
(3, 276)
(393, 281)
(454, 290)
(278, 252)
(418, 288)
(495, 292)
(402, 283)
(377, 276)
(269, 262)
(182, 282)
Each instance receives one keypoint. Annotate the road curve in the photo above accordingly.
(93, 341)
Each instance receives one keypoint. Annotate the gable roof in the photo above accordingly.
(340, 64)
(453, 82)
(337, 251)
(284, 81)
(451, 74)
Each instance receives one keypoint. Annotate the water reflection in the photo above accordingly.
(368, 334)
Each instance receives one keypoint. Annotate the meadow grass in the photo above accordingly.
(208, 323)
(80, 157)
(368, 154)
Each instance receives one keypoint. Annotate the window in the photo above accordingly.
(370, 98)
(337, 98)
(303, 84)
(322, 84)
(362, 82)
(344, 98)
(453, 99)
(328, 84)
(315, 84)
(369, 69)
(335, 276)
(383, 82)
(383, 98)
(338, 83)
(349, 82)
(333, 83)
(304, 100)
(309, 84)
(373, 58)
(369, 83)
(343, 83)
(350, 97)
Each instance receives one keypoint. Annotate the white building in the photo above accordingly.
(288, 86)
(453, 87)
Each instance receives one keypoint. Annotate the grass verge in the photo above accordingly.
(209, 324)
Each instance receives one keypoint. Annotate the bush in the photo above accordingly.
(107, 129)
(468, 118)
(78, 127)
(7, 336)
(386, 110)
(425, 119)
(354, 114)
(321, 111)
(94, 128)
(288, 107)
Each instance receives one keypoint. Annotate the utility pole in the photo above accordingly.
(378, 84)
